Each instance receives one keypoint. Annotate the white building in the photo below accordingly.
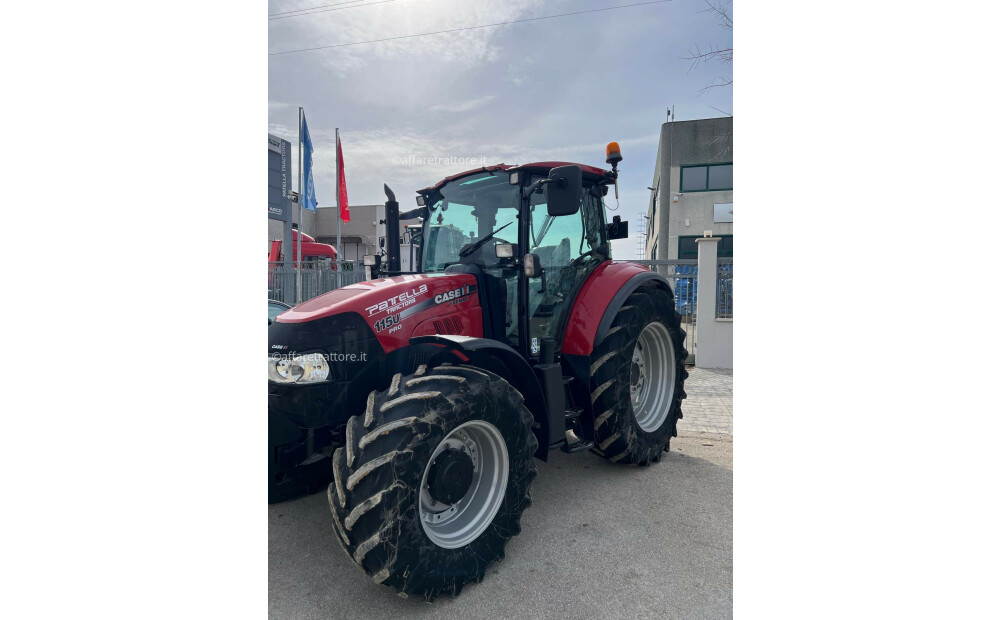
(358, 237)
(692, 189)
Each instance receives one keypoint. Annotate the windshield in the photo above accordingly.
(464, 211)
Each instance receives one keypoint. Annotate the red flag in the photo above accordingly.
(345, 215)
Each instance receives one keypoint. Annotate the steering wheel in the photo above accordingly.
(566, 278)
(576, 262)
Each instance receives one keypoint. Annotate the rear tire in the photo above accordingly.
(637, 380)
(380, 504)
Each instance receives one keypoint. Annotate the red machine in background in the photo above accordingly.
(311, 250)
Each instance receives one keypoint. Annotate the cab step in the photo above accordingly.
(575, 444)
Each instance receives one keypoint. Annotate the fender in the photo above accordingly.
(500, 359)
(599, 300)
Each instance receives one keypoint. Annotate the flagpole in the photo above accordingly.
(302, 195)
(340, 255)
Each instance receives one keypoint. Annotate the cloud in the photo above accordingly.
(409, 158)
(548, 90)
(400, 19)
(462, 106)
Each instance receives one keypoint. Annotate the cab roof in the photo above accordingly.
(590, 173)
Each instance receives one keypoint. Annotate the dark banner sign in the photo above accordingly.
(279, 178)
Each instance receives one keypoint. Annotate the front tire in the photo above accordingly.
(433, 479)
(637, 380)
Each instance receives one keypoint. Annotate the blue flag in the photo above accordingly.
(309, 196)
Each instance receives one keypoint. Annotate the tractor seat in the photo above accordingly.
(554, 255)
(561, 257)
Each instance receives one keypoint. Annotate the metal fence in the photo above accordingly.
(317, 278)
(682, 274)
(724, 290)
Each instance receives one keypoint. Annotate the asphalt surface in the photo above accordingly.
(600, 541)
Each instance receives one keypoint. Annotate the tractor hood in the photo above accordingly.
(399, 307)
(373, 299)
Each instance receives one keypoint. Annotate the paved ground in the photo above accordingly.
(709, 404)
(600, 540)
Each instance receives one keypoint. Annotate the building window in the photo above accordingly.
(707, 178)
(687, 248)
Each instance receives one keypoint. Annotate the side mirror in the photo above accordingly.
(617, 229)
(564, 190)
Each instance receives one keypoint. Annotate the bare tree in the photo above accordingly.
(714, 53)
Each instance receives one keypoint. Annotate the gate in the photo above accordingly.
(317, 278)
(682, 274)
(724, 289)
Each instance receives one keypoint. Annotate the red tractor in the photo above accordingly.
(312, 251)
(434, 392)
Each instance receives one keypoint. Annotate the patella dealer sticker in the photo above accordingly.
(397, 303)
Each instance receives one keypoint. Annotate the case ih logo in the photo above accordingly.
(453, 294)
(397, 303)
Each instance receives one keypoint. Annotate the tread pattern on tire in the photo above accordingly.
(374, 495)
(617, 434)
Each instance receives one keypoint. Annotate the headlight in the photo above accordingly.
(311, 368)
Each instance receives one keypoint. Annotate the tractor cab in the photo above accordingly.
(531, 235)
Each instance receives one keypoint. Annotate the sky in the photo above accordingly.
(415, 110)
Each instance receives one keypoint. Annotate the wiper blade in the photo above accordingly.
(475, 246)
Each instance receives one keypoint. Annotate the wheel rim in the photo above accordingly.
(461, 522)
(651, 378)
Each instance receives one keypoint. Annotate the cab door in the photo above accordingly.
(566, 246)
